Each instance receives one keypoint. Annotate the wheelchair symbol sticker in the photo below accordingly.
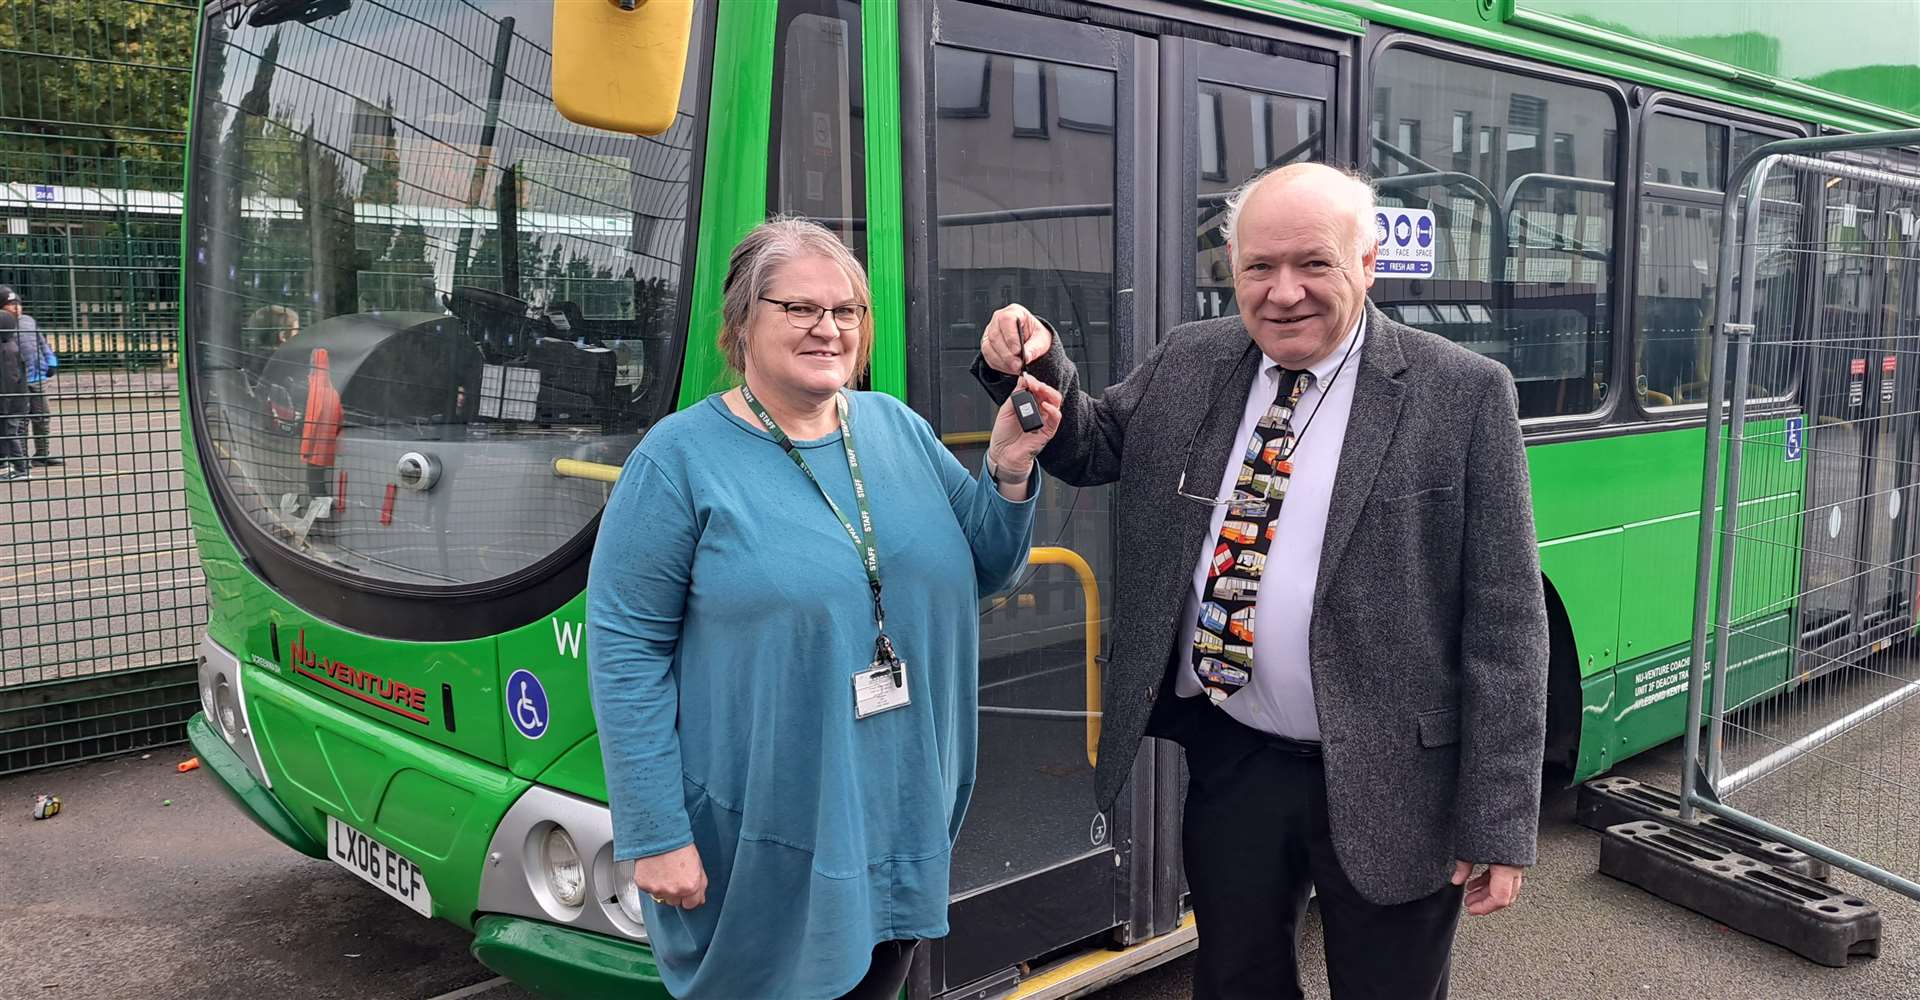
(1795, 426)
(527, 704)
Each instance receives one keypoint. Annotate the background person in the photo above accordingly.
(13, 402)
(40, 361)
(266, 329)
(790, 800)
(1383, 733)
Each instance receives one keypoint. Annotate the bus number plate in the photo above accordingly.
(379, 866)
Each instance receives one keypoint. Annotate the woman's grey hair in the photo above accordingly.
(1358, 189)
(759, 255)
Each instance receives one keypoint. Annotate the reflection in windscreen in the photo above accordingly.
(416, 287)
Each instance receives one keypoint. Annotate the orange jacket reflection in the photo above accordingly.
(320, 440)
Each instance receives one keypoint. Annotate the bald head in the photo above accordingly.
(1351, 192)
(1301, 241)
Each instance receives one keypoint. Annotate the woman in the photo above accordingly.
(786, 699)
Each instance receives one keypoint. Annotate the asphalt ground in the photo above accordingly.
(123, 895)
(98, 570)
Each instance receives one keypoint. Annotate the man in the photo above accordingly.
(266, 330)
(13, 403)
(1327, 591)
(39, 359)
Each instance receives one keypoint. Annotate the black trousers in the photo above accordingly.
(1256, 840)
(888, 973)
(41, 420)
(13, 440)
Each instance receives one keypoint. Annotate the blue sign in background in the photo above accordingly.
(1795, 446)
(1407, 242)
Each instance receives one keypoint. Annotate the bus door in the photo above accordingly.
(1060, 166)
(1034, 171)
(1234, 113)
(1859, 541)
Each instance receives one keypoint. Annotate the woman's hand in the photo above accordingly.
(675, 878)
(1011, 451)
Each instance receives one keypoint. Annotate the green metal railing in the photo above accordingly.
(101, 597)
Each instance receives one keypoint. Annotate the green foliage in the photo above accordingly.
(96, 78)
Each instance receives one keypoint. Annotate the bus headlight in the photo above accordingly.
(223, 696)
(566, 876)
(629, 894)
(226, 709)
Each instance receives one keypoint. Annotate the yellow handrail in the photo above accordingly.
(1045, 555)
(573, 468)
(962, 438)
(1049, 555)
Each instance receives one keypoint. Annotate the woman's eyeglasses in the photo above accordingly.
(806, 315)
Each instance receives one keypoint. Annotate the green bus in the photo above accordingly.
(426, 317)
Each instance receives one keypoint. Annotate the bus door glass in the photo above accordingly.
(1243, 112)
(1027, 198)
(1247, 112)
(1861, 481)
(1840, 402)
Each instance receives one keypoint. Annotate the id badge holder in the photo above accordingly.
(881, 686)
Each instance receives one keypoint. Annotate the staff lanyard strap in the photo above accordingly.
(862, 533)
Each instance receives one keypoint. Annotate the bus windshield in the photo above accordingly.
(416, 289)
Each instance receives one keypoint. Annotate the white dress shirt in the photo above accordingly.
(1279, 699)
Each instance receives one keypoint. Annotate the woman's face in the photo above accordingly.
(816, 361)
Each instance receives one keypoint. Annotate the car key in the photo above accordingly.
(1024, 405)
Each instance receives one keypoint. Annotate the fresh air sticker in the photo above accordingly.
(1407, 243)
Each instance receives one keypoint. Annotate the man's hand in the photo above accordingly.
(675, 878)
(1492, 890)
(1014, 337)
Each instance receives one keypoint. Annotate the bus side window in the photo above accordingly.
(1518, 172)
(818, 137)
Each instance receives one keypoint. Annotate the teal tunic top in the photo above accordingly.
(727, 612)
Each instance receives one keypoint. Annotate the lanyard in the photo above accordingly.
(861, 534)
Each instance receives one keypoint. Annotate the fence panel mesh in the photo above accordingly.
(1821, 734)
(100, 592)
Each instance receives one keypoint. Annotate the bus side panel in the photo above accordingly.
(550, 656)
(1585, 569)
(1650, 694)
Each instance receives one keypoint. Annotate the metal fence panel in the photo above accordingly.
(1812, 724)
(100, 592)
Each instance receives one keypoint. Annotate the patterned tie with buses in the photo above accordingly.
(1223, 637)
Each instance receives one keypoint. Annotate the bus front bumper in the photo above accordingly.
(556, 962)
(247, 792)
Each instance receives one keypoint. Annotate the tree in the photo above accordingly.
(96, 79)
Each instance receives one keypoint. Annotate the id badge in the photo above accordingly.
(879, 687)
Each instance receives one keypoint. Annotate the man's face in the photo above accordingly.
(13, 308)
(1299, 273)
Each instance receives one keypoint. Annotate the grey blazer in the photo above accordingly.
(1429, 636)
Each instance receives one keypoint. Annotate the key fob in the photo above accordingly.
(1027, 409)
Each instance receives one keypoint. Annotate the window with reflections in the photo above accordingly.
(1242, 131)
(1519, 173)
(819, 136)
(419, 297)
(1684, 169)
(1024, 212)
